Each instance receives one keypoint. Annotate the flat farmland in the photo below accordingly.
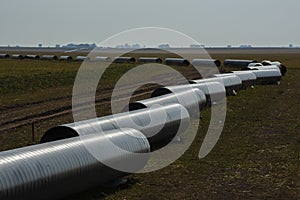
(257, 156)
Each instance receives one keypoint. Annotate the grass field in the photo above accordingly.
(257, 156)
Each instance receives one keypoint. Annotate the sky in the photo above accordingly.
(210, 22)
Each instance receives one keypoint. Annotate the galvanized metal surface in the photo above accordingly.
(266, 62)
(245, 75)
(4, 56)
(255, 65)
(232, 83)
(69, 58)
(17, 56)
(159, 124)
(49, 57)
(82, 58)
(238, 63)
(283, 68)
(149, 60)
(248, 78)
(57, 169)
(177, 62)
(227, 80)
(271, 76)
(206, 62)
(275, 67)
(102, 59)
(214, 91)
(31, 56)
(192, 99)
(124, 60)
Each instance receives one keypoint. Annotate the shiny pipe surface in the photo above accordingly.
(49, 57)
(60, 168)
(232, 83)
(149, 60)
(238, 63)
(160, 125)
(4, 55)
(248, 78)
(17, 56)
(34, 57)
(124, 60)
(177, 62)
(214, 91)
(206, 62)
(69, 58)
(192, 99)
(271, 76)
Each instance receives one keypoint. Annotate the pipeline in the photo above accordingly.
(57, 169)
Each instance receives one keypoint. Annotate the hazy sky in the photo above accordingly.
(211, 22)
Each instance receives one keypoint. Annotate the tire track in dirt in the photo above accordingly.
(35, 112)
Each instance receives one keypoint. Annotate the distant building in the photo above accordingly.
(127, 46)
(57, 46)
(291, 46)
(80, 46)
(164, 46)
(245, 46)
(229, 46)
(136, 46)
(40, 45)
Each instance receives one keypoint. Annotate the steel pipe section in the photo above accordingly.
(149, 60)
(17, 56)
(49, 57)
(206, 62)
(121, 60)
(232, 83)
(192, 99)
(248, 78)
(238, 63)
(268, 65)
(282, 67)
(4, 56)
(214, 91)
(57, 169)
(254, 65)
(82, 58)
(274, 65)
(102, 59)
(271, 67)
(260, 66)
(177, 62)
(67, 58)
(158, 130)
(270, 76)
(32, 57)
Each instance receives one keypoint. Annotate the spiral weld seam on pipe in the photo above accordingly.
(192, 99)
(232, 83)
(57, 169)
(177, 119)
(214, 91)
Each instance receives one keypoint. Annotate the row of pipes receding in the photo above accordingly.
(62, 165)
(168, 61)
(242, 64)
